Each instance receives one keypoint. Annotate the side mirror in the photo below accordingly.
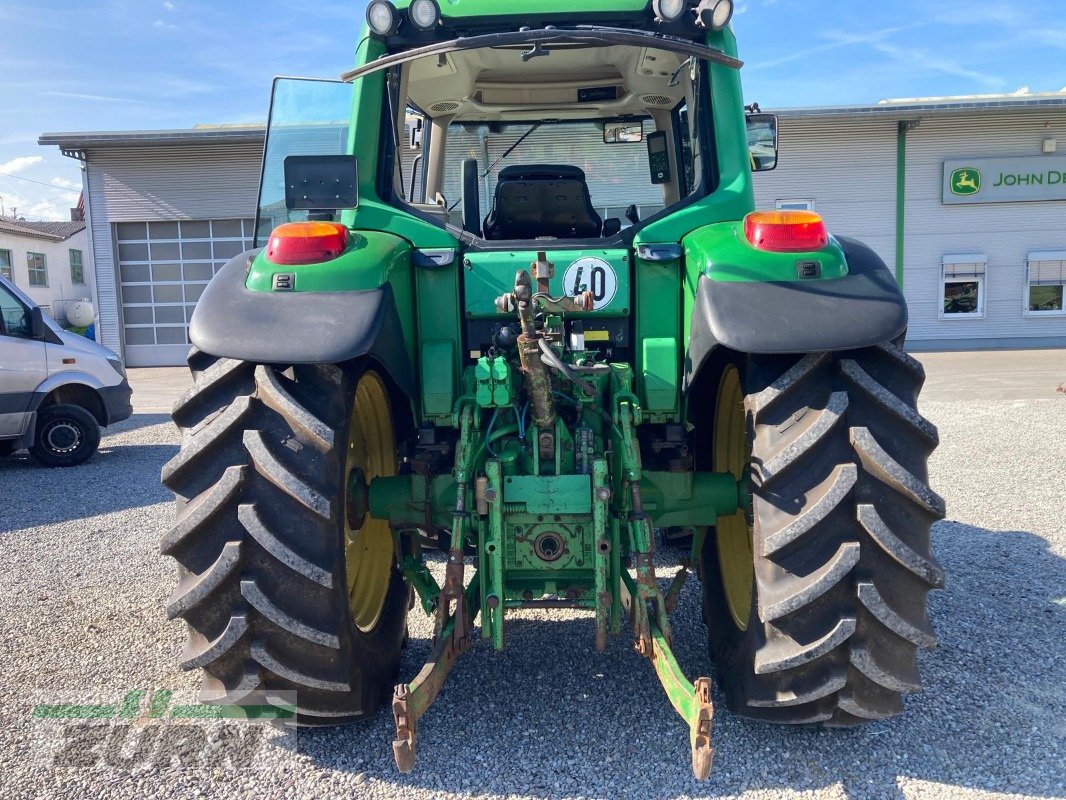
(762, 141)
(38, 327)
(623, 131)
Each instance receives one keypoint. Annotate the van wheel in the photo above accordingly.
(66, 436)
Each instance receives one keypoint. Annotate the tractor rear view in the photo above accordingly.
(513, 296)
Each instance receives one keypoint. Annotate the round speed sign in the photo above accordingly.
(592, 275)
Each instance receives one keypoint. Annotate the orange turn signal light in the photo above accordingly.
(786, 231)
(307, 242)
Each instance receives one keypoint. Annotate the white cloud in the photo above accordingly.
(55, 209)
(65, 183)
(938, 63)
(102, 98)
(20, 163)
(837, 39)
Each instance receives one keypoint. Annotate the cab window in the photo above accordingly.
(15, 317)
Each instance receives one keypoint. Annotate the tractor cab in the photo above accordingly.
(579, 143)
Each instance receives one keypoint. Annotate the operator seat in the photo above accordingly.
(542, 200)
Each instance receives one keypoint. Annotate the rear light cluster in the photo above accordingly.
(786, 231)
(307, 242)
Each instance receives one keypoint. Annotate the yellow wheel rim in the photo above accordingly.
(734, 535)
(368, 551)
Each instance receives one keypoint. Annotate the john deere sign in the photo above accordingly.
(1005, 180)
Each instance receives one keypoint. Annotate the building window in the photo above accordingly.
(77, 269)
(962, 286)
(795, 205)
(38, 271)
(1045, 287)
(5, 265)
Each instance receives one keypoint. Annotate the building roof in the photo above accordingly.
(206, 134)
(936, 106)
(52, 231)
(75, 144)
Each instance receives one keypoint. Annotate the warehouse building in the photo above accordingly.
(165, 211)
(965, 198)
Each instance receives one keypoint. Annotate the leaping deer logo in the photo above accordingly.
(965, 181)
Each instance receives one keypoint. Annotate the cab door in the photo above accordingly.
(23, 363)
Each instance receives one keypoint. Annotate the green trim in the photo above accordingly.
(658, 328)
(368, 263)
(722, 253)
(901, 195)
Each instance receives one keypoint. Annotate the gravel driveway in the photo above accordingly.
(82, 618)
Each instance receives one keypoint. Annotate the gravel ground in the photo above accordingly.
(82, 617)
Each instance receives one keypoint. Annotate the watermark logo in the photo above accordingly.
(160, 729)
(965, 181)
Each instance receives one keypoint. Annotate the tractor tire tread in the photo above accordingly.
(841, 519)
(260, 546)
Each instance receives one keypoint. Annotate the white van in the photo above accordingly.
(56, 388)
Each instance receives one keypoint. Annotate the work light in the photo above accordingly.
(382, 18)
(425, 14)
(668, 10)
(714, 14)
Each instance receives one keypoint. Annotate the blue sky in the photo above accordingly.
(141, 64)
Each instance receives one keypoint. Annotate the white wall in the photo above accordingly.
(1004, 232)
(60, 290)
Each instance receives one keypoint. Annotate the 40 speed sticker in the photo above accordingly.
(592, 275)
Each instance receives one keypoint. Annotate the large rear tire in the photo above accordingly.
(266, 558)
(839, 563)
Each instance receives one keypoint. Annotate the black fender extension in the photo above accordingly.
(863, 309)
(231, 321)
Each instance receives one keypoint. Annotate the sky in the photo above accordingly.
(87, 65)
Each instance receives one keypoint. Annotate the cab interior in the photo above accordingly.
(569, 142)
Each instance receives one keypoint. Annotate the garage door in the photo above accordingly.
(163, 269)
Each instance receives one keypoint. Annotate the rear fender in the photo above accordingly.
(865, 307)
(232, 321)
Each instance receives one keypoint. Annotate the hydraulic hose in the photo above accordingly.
(552, 360)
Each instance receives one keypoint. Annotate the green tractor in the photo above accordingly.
(513, 300)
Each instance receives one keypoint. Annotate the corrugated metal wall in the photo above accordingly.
(173, 183)
(103, 259)
(1004, 232)
(148, 183)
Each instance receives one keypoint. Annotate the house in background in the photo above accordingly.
(49, 261)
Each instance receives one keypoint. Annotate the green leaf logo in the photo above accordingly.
(966, 181)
